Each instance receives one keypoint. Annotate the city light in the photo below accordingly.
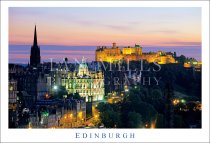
(71, 115)
(183, 101)
(80, 114)
(29, 125)
(46, 95)
(55, 87)
(153, 125)
(176, 101)
(45, 114)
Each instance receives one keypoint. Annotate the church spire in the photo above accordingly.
(35, 57)
(35, 37)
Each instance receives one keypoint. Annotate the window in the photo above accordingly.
(11, 88)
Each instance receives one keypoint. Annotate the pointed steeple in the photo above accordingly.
(35, 37)
(35, 57)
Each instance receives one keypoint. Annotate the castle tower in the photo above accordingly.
(114, 45)
(35, 57)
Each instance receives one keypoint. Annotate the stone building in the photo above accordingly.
(13, 103)
(85, 82)
(131, 54)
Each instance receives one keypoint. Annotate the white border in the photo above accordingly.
(68, 135)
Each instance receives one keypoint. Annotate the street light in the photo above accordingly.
(175, 101)
(29, 125)
(55, 87)
(183, 101)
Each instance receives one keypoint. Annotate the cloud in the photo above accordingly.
(164, 31)
(67, 52)
(102, 25)
(183, 43)
(119, 28)
(18, 56)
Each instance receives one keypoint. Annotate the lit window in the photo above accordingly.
(11, 88)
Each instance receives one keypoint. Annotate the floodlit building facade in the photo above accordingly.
(131, 54)
(89, 84)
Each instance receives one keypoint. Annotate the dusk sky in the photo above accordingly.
(153, 27)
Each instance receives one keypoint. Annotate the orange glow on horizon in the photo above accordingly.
(81, 37)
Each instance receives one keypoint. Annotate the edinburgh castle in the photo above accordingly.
(132, 54)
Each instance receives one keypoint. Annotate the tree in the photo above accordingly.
(74, 96)
(102, 107)
(178, 121)
(169, 95)
(60, 92)
(126, 107)
(134, 120)
(134, 96)
(157, 100)
(147, 111)
(156, 94)
(181, 59)
(109, 114)
(160, 121)
(110, 119)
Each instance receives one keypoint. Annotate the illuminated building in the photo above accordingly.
(56, 113)
(131, 54)
(13, 104)
(86, 83)
(194, 64)
(13, 91)
(43, 86)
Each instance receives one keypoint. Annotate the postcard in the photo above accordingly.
(105, 72)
